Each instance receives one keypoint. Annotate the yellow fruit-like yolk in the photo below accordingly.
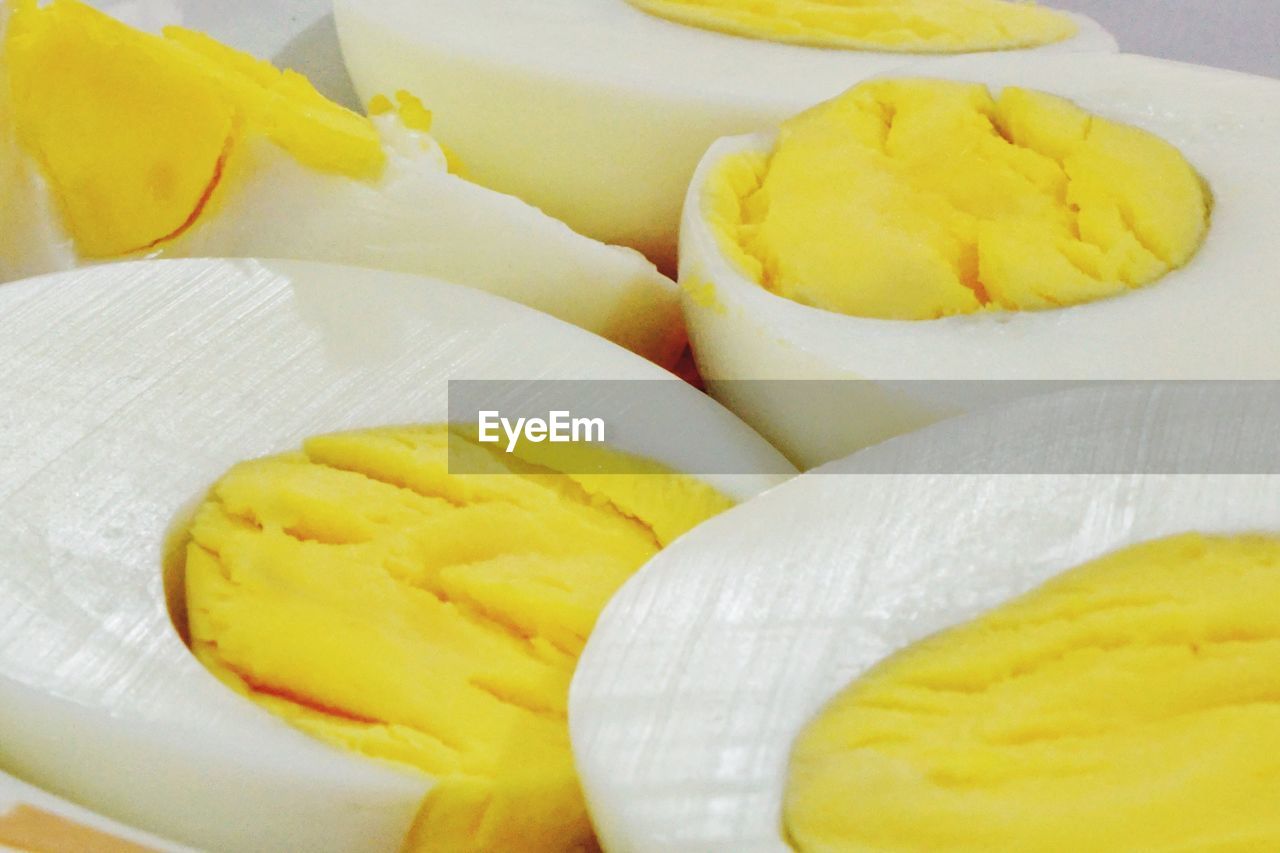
(916, 199)
(1132, 703)
(915, 26)
(430, 619)
(132, 130)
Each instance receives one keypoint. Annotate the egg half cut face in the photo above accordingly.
(120, 144)
(1032, 217)
(921, 648)
(168, 377)
(1129, 702)
(366, 594)
(597, 111)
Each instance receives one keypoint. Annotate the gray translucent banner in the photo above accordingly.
(904, 427)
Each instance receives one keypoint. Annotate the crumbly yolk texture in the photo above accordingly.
(918, 199)
(1132, 703)
(131, 131)
(378, 602)
(909, 26)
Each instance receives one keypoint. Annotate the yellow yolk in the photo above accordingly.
(915, 26)
(1132, 703)
(916, 199)
(414, 116)
(132, 130)
(412, 113)
(384, 605)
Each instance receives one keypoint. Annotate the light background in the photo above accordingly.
(1240, 34)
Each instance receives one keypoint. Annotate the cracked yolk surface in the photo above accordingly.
(384, 605)
(132, 131)
(915, 26)
(917, 199)
(1132, 703)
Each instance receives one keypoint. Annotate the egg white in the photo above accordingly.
(706, 665)
(415, 217)
(126, 390)
(1211, 319)
(593, 110)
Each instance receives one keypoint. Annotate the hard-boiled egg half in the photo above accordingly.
(120, 144)
(422, 620)
(1045, 626)
(988, 218)
(598, 110)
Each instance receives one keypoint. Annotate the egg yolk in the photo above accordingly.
(1132, 703)
(916, 199)
(131, 131)
(914, 26)
(375, 600)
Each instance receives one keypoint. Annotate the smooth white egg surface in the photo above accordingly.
(593, 110)
(704, 668)
(1208, 319)
(125, 391)
(420, 218)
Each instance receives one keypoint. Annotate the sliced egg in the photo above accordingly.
(160, 376)
(120, 144)
(597, 111)
(710, 663)
(1202, 315)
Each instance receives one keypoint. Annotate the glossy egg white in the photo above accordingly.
(1208, 320)
(126, 390)
(706, 665)
(593, 110)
